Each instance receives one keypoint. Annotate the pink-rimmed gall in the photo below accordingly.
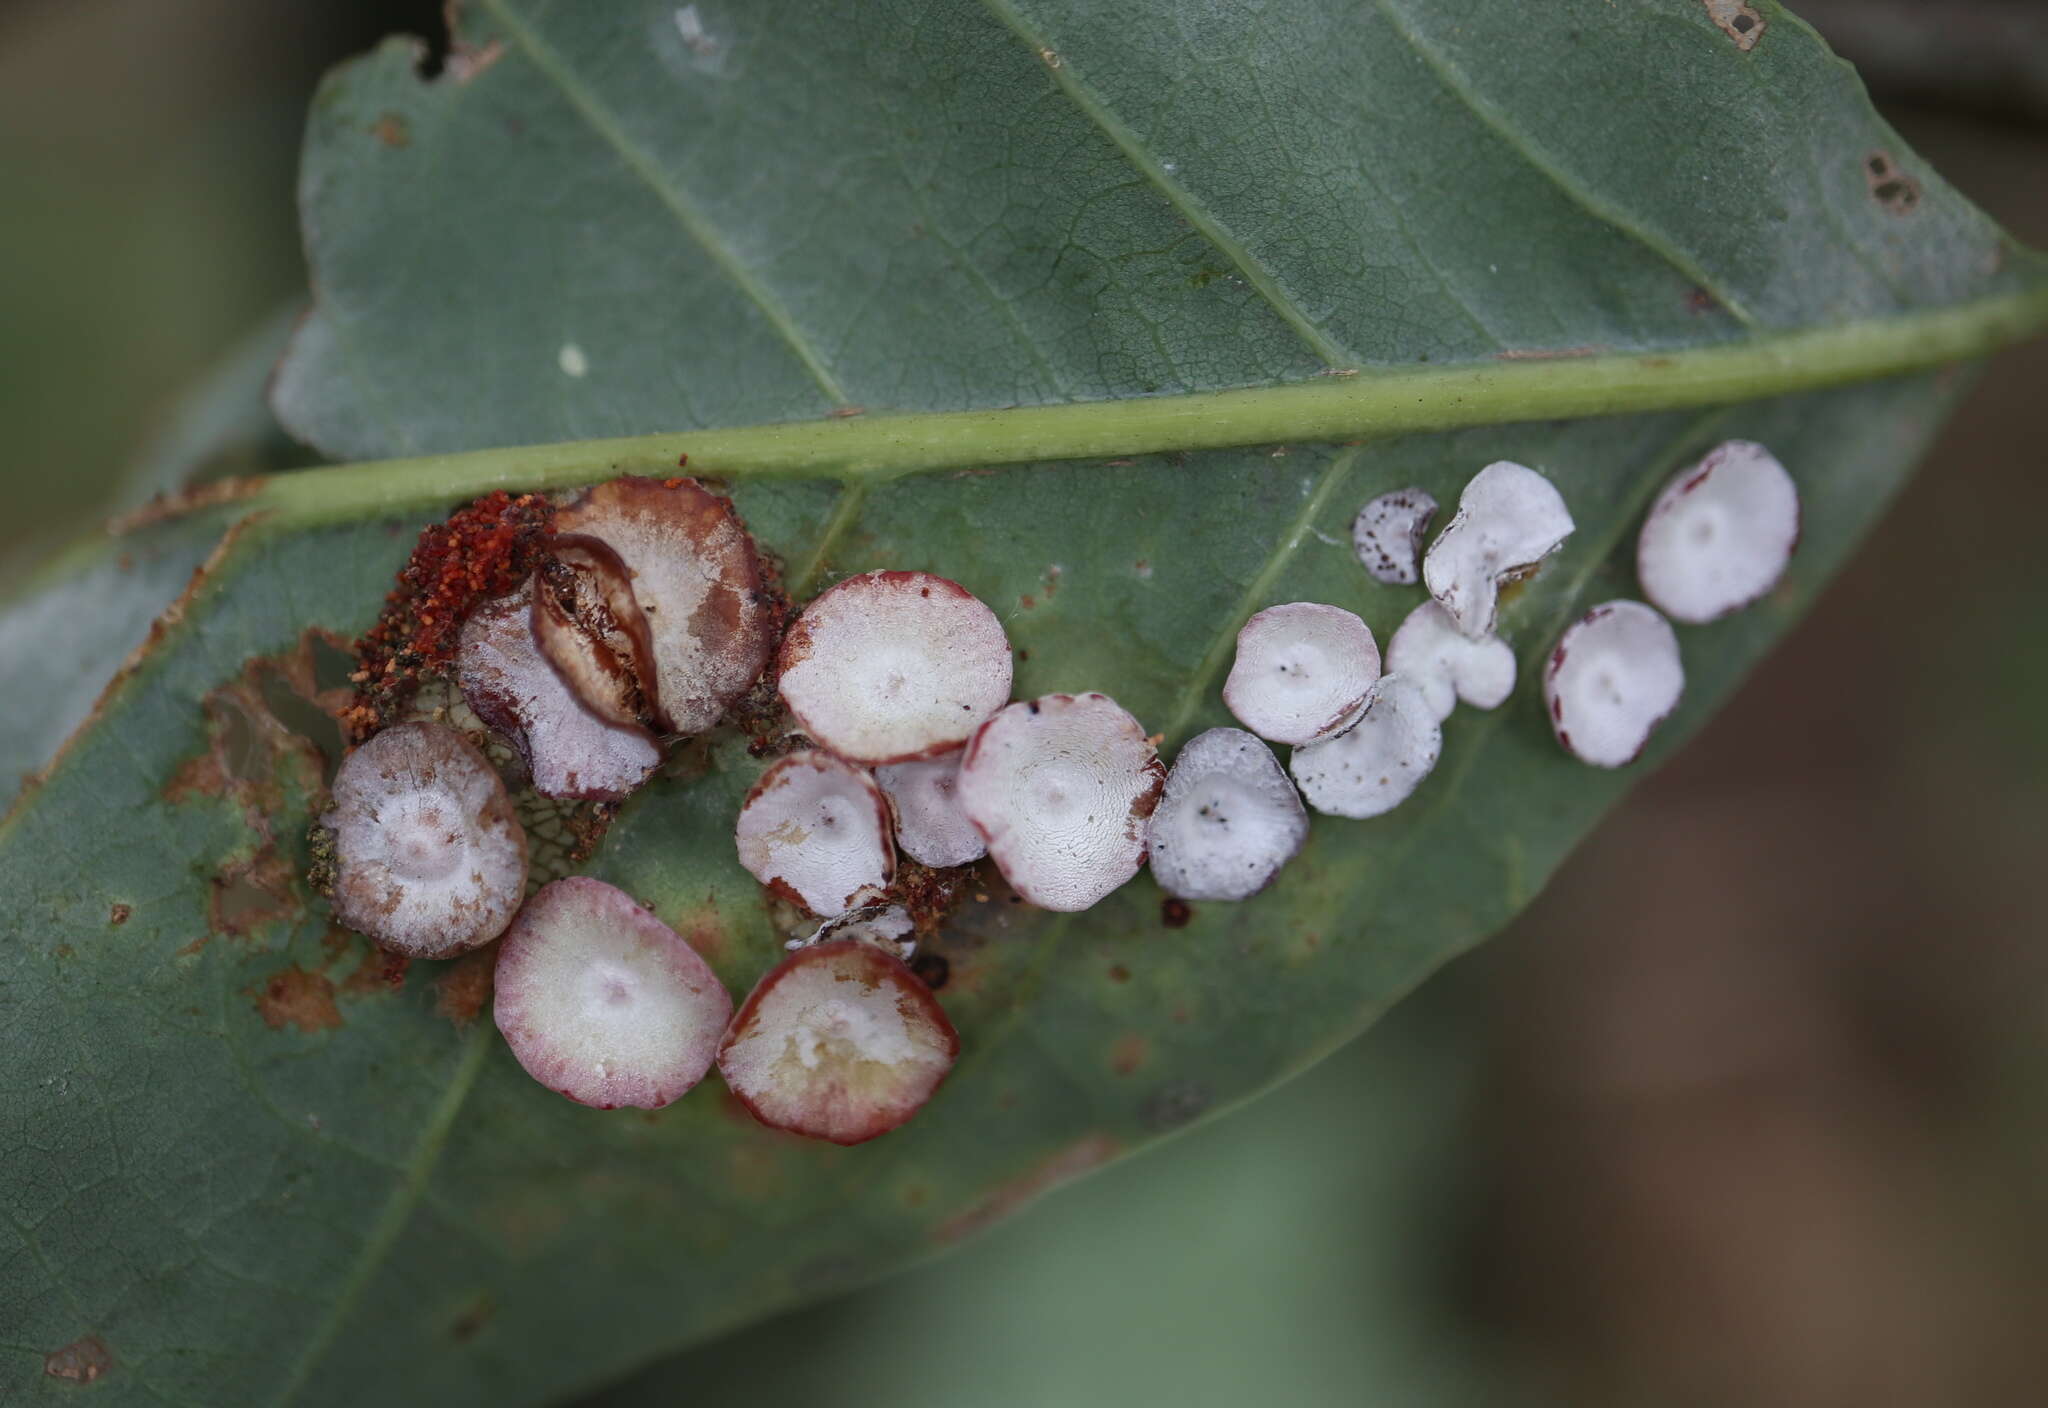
(840, 1041)
(815, 830)
(1613, 677)
(602, 1002)
(1720, 534)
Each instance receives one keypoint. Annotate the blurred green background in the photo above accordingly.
(1751, 1107)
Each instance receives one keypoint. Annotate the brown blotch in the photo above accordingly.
(465, 986)
(377, 972)
(295, 997)
(1698, 300)
(1130, 1052)
(477, 1314)
(83, 1361)
(392, 131)
(1009, 1197)
(1894, 191)
(1740, 22)
(248, 895)
(120, 913)
(1175, 913)
(1119, 974)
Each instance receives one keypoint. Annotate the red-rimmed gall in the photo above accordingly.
(1614, 676)
(697, 581)
(815, 829)
(602, 1002)
(839, 1042)
(569, 748)
(1720, 534)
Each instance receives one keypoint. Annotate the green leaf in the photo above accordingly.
(255, 1174)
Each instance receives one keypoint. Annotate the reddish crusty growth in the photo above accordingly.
(839, 1042)
(482, 551)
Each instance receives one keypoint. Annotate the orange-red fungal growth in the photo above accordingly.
(484, 550)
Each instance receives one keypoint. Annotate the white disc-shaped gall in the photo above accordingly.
(602, 1002)
(1227, 821)
(1374, 766)
(1303, 671)
(1063, 787)
(890, 666)
(570, 750)
(429, 860)
(1388, 532)
(1509, 519)
(931, 826)
(1720, 534)
(1429, 650)
(840, 1042)
(815, 829)
(697, 582)
(1614, 676)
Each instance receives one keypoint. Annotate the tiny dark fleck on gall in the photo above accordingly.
(931, 969)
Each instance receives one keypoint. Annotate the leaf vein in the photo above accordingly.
(1178, 196)
(1459, 87)
(670, 193)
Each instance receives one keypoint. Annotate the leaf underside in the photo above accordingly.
(257, 1173)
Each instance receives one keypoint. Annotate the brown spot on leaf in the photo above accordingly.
(465, 986)
(473, 1317)
(377, 971)
(120, 913)
(1175, 913)
(392, 131)
(249, 894)
(1740, 22)
(295, 997)
(1895, 192)
(1119, 974)
(1071, 1162)
(83, 1361)
(1130, 1052)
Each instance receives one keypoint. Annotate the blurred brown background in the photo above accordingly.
(1751, 1107)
